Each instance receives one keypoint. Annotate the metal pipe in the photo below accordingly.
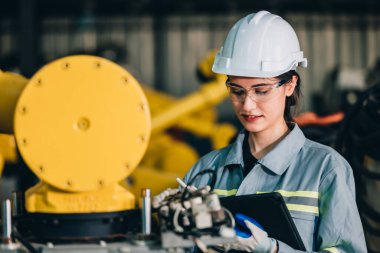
(146, 211)
(7, 221)
(17, 203)
(208, 95)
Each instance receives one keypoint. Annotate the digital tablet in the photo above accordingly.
(270, 211)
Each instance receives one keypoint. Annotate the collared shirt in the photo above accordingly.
(249, 160)
(316, 182)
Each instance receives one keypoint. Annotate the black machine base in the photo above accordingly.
(47, 227)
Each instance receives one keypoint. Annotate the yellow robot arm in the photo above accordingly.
(82, 124)
(11, 86)
(7, 150)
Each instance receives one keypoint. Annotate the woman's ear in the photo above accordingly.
(291, 85)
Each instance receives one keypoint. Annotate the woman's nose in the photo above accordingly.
(249, 103)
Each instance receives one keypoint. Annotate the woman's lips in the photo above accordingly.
(251, 118)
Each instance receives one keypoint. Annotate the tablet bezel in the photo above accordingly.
(270, 210)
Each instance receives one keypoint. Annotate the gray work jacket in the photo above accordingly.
(316, 182)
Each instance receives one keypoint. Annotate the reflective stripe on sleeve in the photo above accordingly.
(308, 194)
(221, 192)
(332, 250)
(300, 201)
(303, 208)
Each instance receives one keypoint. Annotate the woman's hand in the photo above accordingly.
(259, 241)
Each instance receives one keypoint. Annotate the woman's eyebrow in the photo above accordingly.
(260, 85)
(252, 86)
(234, 84)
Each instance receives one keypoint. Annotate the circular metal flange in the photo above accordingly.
(82, 123)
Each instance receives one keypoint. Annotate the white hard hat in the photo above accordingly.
(259, 45)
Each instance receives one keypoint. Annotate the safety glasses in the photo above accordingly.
(258, 93)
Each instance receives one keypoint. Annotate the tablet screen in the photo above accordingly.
(270, 210)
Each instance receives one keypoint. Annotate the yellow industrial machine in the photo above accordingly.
(11, 86)
(82, 124)
(7, 150)
(168, 156)
(56, 135)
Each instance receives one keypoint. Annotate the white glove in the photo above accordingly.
(158, 199)
(259, 242)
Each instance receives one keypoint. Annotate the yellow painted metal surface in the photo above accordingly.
(47, 199)
(156, 180)
(219, 134)
(209, 94)
(2, 163)
(8, 148)
(82, 124)
(167, 154)
(8, 152)
(205, 66)
(199, 119)
(11, 86)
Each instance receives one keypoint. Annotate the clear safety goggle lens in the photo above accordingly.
(258, 93)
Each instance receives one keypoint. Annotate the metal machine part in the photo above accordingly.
(193, 214)
(84, 228)
(103, 247)
(18, 207)
(146, 211)
(94, 113)
(11, 86)
(175, 244)
(7, 221)
(182, 216)
(169, 155)
(6, 243)
(75, 118)
(8, 152)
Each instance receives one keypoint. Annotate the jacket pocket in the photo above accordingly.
(306, 224)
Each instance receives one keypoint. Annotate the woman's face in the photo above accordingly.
(262, 108)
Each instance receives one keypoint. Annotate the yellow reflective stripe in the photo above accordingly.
(225, 192)
(332, 250)
(308, 194)
(303, 208)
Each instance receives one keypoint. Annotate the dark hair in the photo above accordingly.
(291, 103)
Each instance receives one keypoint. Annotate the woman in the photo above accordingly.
(260, 56)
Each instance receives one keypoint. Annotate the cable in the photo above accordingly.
(207, 171)
(177, 227)
(24, 242)
(230, 216)
(191, 181)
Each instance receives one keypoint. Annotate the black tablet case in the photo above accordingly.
(270, 210)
